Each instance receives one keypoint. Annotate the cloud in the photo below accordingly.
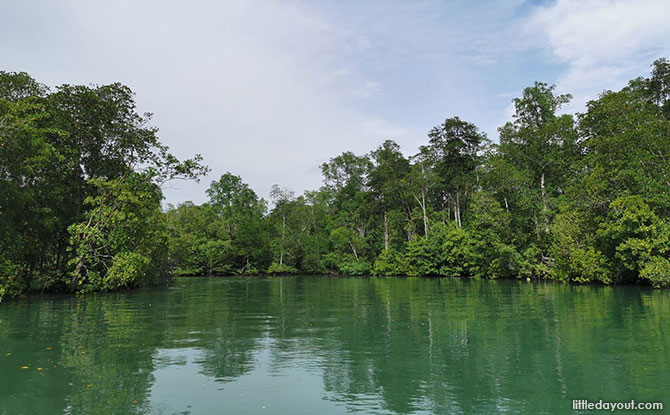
(363, 43)
(261, 88)
(270, 89)
(482, 59)
(366, 91)
(604, 43)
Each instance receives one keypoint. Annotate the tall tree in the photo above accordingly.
(390, 168)
(240, 218)
(58, 148)
(456, 149)
(542, 145)
(282, 198)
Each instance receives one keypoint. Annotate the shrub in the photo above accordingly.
(277, 269)
(357, 268)
(387, 264)
(657, 272)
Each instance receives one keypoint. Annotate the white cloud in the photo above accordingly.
(366, 91)
(603, 42)
(270, 89)
(482, 59)
(363, 43)
(261, 88)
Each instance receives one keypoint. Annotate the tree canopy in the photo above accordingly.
(571, 197)
(80, 198)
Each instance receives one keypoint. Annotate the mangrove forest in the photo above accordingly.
(579, 198)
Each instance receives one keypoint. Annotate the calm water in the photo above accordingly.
(319, 345)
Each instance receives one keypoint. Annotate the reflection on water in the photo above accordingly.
(320, 345)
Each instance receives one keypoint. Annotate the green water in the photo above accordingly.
(319, 345)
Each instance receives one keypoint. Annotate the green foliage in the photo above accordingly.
(448, 251)
(358, 268)
(533, 263)
(573, 251)
(346, 264)
(555, 199)
(500, 261)
(30, 191)
(277, 269)
(656, 270)
(8, 279)
(127, 270)
(583, 198)
(388, 263)
(122, 241)
(16, 86)
(455, 156)
(64, 156)
(588, 264)
(192, 249)
(226, 236)
(635, 236)
(490, 226)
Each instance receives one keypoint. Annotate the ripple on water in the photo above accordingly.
(334, 346)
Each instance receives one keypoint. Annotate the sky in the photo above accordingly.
(270, 89)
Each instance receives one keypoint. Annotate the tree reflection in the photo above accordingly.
(381, 345)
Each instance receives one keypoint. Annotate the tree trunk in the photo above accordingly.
(545, 212)
(408, 228)
(543, 191)
(386, 232)
(353, 248)
(425, 215)
(75, 275)
(422, 204)
(458, 210)
(361, 231)
(281, 246)
(449, 207)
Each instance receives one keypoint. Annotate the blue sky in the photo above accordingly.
(270, 89)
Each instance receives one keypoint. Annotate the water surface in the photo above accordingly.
(322, 345)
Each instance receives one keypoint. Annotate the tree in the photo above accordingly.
(421, 181)
(658, 86)
(490, 226)
(122, 241)
(626, 141)
(456, 150)
(582, 198)
(346, 178)
(58, 148)
(29, 194)
(282, 198)
(240, 221)
(194, 243)
(17, 86)
(390, 168)
(542, 147)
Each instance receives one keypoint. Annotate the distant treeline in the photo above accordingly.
(582, 198)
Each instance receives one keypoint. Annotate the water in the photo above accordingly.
(321, 345)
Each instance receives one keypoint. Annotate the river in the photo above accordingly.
(327, 345)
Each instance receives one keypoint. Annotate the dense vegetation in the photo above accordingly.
(80, 200)
(583, 198)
